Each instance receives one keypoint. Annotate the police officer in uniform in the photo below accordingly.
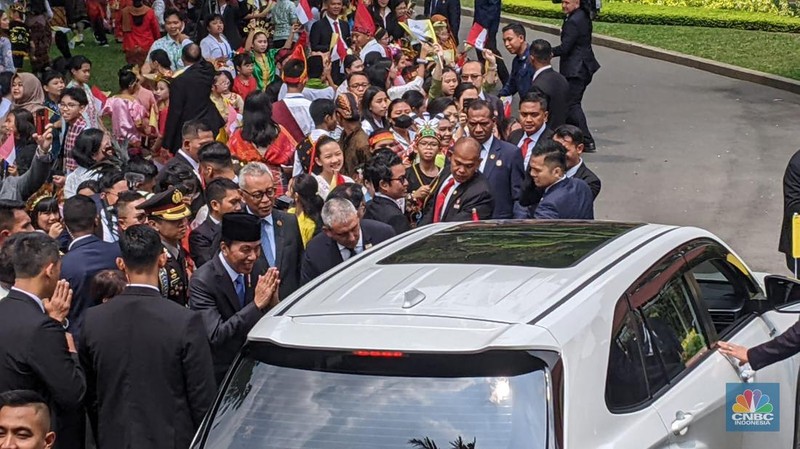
(168, 214)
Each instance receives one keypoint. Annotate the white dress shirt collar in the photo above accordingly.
(231, 272)
(539, 72)
(345, 251)
(534, 140)
(35, 298)
(72, 243)
(485, 152)
(151, 287)
(571, 172)
(547, 189)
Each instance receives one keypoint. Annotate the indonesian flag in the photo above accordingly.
(8, 151)
(338, 49)
(232, 121)
(99, 98)
(477, 36)
(303, 12)
(507, 105)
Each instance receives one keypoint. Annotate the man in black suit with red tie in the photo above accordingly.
(550, 83)
(465, 193)
(535, 119)
(322, 31)
(226, 292)
(578, 64)
(343, 236)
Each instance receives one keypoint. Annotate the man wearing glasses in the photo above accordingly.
(386, 172)
(281, 244)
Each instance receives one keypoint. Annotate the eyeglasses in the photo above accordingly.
(359, 85)
(428, 144)
(68, 105)
(258, 196)
(470, 76)
(403, 179)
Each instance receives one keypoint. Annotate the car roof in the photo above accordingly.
(379, 283)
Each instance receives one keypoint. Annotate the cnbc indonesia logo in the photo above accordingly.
(753, 409)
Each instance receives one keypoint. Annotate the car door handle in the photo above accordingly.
(681, 424)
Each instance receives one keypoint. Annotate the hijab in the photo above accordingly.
(32, 93)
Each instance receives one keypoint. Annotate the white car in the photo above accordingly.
(511, 334)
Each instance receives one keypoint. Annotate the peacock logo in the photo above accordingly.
(752, 401)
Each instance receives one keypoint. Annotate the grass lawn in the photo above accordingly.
(106, 62)
(775, 53)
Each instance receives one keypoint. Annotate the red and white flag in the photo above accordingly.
(338, 49)
(232, 121)
(477, 36)
(99, 99)
(303, 12)
(507, 105)
(8, 150)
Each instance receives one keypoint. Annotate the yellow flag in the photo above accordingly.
(420, 30)
(796, 236)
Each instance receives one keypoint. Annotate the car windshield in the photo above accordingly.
(289, 398)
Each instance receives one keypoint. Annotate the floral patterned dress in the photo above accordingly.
(280, 152)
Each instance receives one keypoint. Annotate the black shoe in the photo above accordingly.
(589, 148)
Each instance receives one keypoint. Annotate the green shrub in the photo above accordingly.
(776, 7)
(618, 12)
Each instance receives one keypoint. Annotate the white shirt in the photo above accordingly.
(485, 152)
(396, 92)
(212, 48)
(345, 251)
(323, 188)
(34, 297)
(315, 94)
(371, 46)
(109, 234)
(449, 193)
(534, 139)
(538, 72)
(300, 107)
(76, 178)
(571, 172)
(231, 272)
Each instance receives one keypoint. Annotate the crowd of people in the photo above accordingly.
(249, 147)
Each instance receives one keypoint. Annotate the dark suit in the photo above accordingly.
(190, 99)
(531, 195)
(322, 252)
(386, 211)
(779, 348)
(320, 40)
(475, 194)
(487, 14)
(201, 242)
(556, 88)
(578, 64)
(393, 27)
(515, 138)
(34, 356)
(181, 159)
(448, 8)
(521, 76)
(213, 295)
(791, 206)
(288, 252)
(87, 257)
(568, 199)
(149, 371)
(503, 170)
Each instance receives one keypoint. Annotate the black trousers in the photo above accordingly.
(99, 31)
(575, 115)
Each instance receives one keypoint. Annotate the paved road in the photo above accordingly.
(681, 146)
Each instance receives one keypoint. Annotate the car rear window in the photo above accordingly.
(541, 245)
(289, 398)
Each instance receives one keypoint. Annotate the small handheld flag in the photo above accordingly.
(475, 216)
(8, 150)
(303, 12)
(477, 36)
(420, 30)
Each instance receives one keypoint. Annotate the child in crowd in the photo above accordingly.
(128, 116)
(221, 94)
(53, 85)
(6, 55)
(72, 105)
(107, 284)
(19, 35)
(244, 82)
(80, 68)
(161, 92)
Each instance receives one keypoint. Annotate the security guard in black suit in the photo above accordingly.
(168, 214)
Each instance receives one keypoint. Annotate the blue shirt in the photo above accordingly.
(521, 78)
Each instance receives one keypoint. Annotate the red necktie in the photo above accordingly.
(525, 147)
(437, 209)
(336, 28)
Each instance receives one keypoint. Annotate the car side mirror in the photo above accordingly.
(782, 291)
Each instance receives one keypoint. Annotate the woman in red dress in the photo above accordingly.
(139, 30)
(260, 139)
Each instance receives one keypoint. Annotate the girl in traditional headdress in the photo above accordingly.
(264, 69)
(424, 175)
(444, 36)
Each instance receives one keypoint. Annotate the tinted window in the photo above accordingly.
(284, 398)
(722, 288)
(626, 385)
(544, 245)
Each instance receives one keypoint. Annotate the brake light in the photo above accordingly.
(388, 354)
